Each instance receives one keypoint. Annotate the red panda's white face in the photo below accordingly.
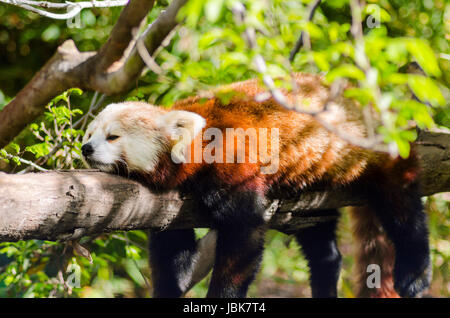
(135, 134)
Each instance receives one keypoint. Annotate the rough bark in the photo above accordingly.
(70, 204)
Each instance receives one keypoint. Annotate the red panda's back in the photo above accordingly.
(307, 152)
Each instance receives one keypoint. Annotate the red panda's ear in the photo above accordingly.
(181, 127)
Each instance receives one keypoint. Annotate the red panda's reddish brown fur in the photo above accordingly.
(308, 152)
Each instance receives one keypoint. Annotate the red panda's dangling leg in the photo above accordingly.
(319, 246)
(171, 255)
(237, 213)
(238, 256)
(399, 210)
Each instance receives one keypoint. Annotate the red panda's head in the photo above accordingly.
(137, 134)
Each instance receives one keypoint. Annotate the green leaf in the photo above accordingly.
(132, 252)
(397, 78)
(213, 8)
(51, 33)
(333, 31)
(192, 11)
(396, 51)
(8, 280)
(403, 147)
(77, 111)
(233, 58)
(345, 70)
(39, 150)
(88, 18)
(314, 31)
(16, 160)
(34, 127)
(426, 89)
(76, 91)
(275, 71)
(409, 135)
(424, 55)
(15, 147)
(210, 38)
(378, 12)
(321, 60)
(362, 95)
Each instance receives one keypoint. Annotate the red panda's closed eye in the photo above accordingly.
(112, 137)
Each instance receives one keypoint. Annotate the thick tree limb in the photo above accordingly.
(102, 71)
(71, 204)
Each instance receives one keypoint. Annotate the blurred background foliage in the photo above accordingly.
(407, 82)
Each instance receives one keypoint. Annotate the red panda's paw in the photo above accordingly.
(412, 285)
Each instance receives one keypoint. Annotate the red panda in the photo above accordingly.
(230, 180)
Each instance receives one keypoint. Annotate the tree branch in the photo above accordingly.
(70, 68)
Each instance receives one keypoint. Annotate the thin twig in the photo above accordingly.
(363, 62)
(147, 58)
(300, 42)
(137, 266)
(94, 105)
(9, 156)
(73, 8)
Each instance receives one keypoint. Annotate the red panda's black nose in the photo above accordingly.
(87, 150)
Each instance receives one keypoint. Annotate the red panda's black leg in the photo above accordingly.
(400, 211)
(237, 215)
(171, 254)
(319, 246)
(238, 256)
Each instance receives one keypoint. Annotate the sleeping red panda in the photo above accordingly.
(159, 147)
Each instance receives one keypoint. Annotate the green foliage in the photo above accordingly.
(210, 49)
(3, 100)
(399, 71)
(24, 275)
(54, 136)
